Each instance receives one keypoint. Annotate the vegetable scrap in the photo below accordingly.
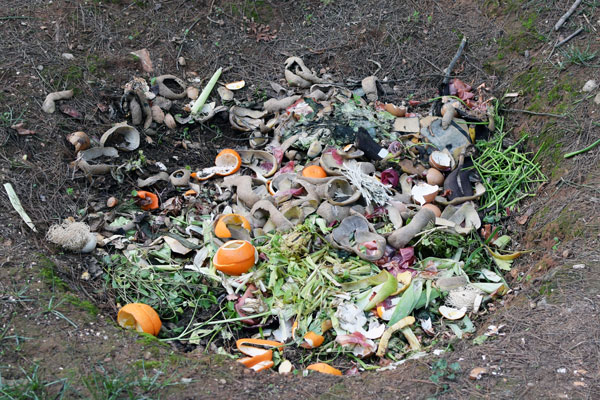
(345, 235)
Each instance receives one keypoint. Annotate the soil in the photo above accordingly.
(58, 336)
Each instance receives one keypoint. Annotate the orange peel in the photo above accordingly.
(314, 171)
(312, 340)
(324, 369)
(249, 346)
(235, 257)
(150, 200)
(221, 228)
(228, 158)
(259, 362)
(140, 317)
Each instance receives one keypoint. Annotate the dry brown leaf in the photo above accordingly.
(21, 130)
(144, 56)
(477, 373)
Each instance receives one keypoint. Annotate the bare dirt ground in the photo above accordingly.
(58, 337)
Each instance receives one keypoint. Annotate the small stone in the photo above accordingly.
(181, 61)
(597, 99)
(566, 253)
(147, 355)
(532, 305)
(67, 56)
(590, 86)
(579, 266)
(222, 381)
(562, 370)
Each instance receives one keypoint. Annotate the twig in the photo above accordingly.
(566, 15)
(454, 60)
(571, 36)
(533, 112)
(376, 63)
(589, 23)
(590, 147)
(184, 37)
(14, 17)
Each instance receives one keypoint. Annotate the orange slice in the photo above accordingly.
(140, 317)
(237, 85)
(221, 228)
(324, 369)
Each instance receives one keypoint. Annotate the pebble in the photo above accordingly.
(579, 266)
(590, 86)
(597, 99)
(67, 56)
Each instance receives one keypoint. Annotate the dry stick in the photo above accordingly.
(566, 15)
(454, 60)
(571, 36)
(533, 112)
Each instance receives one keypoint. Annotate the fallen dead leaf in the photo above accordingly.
(477, 373)
(144, 56)
(21, 130)
(70, 111)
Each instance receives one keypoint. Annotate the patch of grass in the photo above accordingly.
(104, 385)
(33, 387)
(51, 308)
(11, 117)
(578, 56)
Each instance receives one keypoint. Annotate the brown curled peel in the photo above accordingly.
(400, 237)
(275, 105)
(244, 190)
(262, 207)
(49, 105)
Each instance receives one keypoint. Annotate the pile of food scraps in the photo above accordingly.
(347, 234)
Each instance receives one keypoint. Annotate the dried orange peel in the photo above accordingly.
(235, 257)
(140, 317)
(221, 228)
(324, 369)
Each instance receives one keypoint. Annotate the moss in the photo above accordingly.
(83, 304)
(258, 11)
(147, 339)
(146, 364)
(48, 273)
